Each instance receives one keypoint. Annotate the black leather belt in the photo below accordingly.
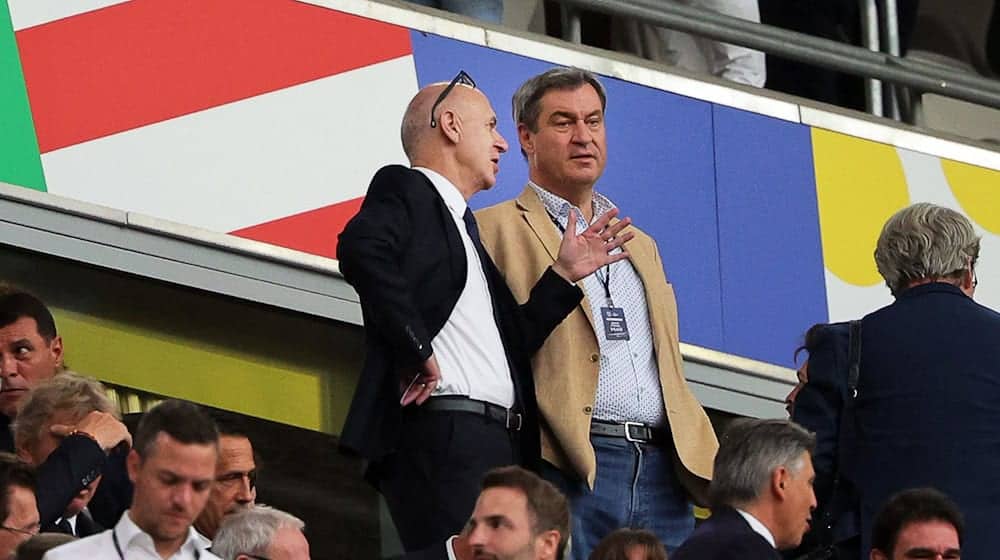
(510, 419)
(632, 431)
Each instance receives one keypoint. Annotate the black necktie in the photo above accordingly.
(473, 228)
(64, 527)
(484, 260)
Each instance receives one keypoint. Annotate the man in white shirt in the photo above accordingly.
(762, 496)
(172, 467)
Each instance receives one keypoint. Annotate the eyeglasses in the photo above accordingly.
(461, 78)
(231, 479)
(31, 531)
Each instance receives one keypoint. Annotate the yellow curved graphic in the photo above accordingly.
(859, 184)
(977, 189)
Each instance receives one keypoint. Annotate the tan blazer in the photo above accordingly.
(520, 237)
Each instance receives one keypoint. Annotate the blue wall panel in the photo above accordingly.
(660, 167)
(773, 286)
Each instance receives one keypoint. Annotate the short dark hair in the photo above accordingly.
(913, 506)
(546, 504)
(228, 423)
(181, 420)
(14, 472)
(615, 546)
(16, 303)
(527, 100)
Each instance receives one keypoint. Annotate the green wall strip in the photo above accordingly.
(20, 162)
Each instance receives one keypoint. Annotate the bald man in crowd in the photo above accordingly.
(446, 392)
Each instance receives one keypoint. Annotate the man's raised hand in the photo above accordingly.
(580, 255)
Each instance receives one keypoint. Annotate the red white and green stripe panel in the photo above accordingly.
(262, 118)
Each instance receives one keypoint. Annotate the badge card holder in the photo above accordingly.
(615, 325)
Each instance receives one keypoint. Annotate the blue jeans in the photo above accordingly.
(635, 487)
(486, 10)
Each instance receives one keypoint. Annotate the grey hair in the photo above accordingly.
(527, 100)
(749, 452)
(925, 242)
(67, 391)
(250, 531)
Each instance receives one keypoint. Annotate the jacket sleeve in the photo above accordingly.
(370, 251)
(820, 403)
(74, 464)
(550, 301)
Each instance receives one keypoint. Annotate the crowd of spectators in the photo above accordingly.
(617, 450)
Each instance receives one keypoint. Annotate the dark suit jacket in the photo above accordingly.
(928, 407)
(725, 536)
(818, 409)
(403, 254)
(71, 466)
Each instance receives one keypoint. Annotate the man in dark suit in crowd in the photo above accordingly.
(918, 523)
(31, 351)
(926, 409)
(761, 493)
(18, 509)
(62, 400)
(443, 331)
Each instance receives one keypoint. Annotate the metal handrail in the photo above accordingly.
(850, 59)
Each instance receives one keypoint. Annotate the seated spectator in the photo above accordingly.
(918, 523)
(261, 532)
(761, 493)
(519, 515)
(64, 400)
(31, 352)
(18, 508)
(235, 478)
(172, 467)
(630, 544)
(36, 547)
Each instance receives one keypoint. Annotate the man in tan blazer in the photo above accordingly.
(622, 435)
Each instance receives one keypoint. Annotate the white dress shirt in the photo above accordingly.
(757, 526)
(468, 348)
(132, 544)
(450, 547)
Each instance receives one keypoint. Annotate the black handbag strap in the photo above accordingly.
(828, 550)
(854, 361)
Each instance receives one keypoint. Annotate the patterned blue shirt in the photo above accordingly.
(628, 386)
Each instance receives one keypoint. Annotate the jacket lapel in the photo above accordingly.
(533, 211)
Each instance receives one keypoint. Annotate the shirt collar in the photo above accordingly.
(128, 531)
(558, 207)
(757, 527)
(453, 199)
(450, 548)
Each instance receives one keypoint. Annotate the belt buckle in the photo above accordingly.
(507, 423)
(628, 432)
